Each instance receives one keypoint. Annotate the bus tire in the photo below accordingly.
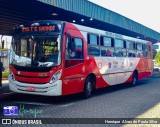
(88, 87)
(134, 79)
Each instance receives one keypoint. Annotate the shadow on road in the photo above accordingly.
(69, 98)
(133, 96)
(76, 97)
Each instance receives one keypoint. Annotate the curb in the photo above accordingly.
(4, 79)
(3, 95)
(5, 82)
(5, 92)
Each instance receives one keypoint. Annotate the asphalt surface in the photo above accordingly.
(120, 101)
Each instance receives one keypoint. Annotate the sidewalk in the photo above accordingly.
(5, 81)
(5, 89)
(156, 74)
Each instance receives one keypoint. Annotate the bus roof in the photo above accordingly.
(109, 34)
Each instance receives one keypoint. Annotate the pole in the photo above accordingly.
(1, 65)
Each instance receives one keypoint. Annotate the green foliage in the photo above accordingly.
(3, 49)
(157, 58)
(5, 74)
(154, 53)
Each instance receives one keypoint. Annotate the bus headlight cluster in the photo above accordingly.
(56, 76)
(11, 76)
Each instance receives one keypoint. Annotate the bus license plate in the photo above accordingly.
(30, 88)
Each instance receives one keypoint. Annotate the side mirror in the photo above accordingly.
(73, 45)
(2, 44)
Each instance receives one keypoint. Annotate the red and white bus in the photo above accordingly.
(56, 58)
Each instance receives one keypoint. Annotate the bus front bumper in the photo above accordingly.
(54, 89)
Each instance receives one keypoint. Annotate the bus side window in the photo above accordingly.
(74, 48)
(146, 51)
(68, 48)
(139, 48)
(107, 48)
(93, 45)
(120, 50)
(78, 48)
(130, 45)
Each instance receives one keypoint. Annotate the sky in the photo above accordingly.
(145, 12)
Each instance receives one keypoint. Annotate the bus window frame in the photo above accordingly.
(134, 47)
(137, 46)
(108, 47)
(121, 40)
(120, 48)
(93, 45)
(131, 49)
(148, 50)
(102, 41)
(66, 47)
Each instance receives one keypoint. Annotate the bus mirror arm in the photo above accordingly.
(32, 37)
(67, 34)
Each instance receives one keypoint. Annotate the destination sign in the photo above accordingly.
(38, 28)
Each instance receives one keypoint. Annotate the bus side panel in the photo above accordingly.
(74, 69)
(74, 77)
(72, 82)
(129, 79)
(144, 68)
(92, 67)
(105, 78)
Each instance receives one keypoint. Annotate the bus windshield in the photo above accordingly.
(36, 51)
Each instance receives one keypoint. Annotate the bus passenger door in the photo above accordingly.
(74, 66)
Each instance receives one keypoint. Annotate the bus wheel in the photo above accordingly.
(88, 88)
(134, 79)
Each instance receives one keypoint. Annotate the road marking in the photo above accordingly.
(66, 105)
(7, 93)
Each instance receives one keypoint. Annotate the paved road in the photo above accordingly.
(120, 101)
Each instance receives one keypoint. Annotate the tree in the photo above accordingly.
(157, 58)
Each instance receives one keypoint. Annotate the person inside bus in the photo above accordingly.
(139, 55)
(33, 46)
(30, 45)
(36, 51)
(71, 51)
(108, 53)
(131, 55)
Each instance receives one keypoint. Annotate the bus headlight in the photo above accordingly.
(11, 76)
(56, 76)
